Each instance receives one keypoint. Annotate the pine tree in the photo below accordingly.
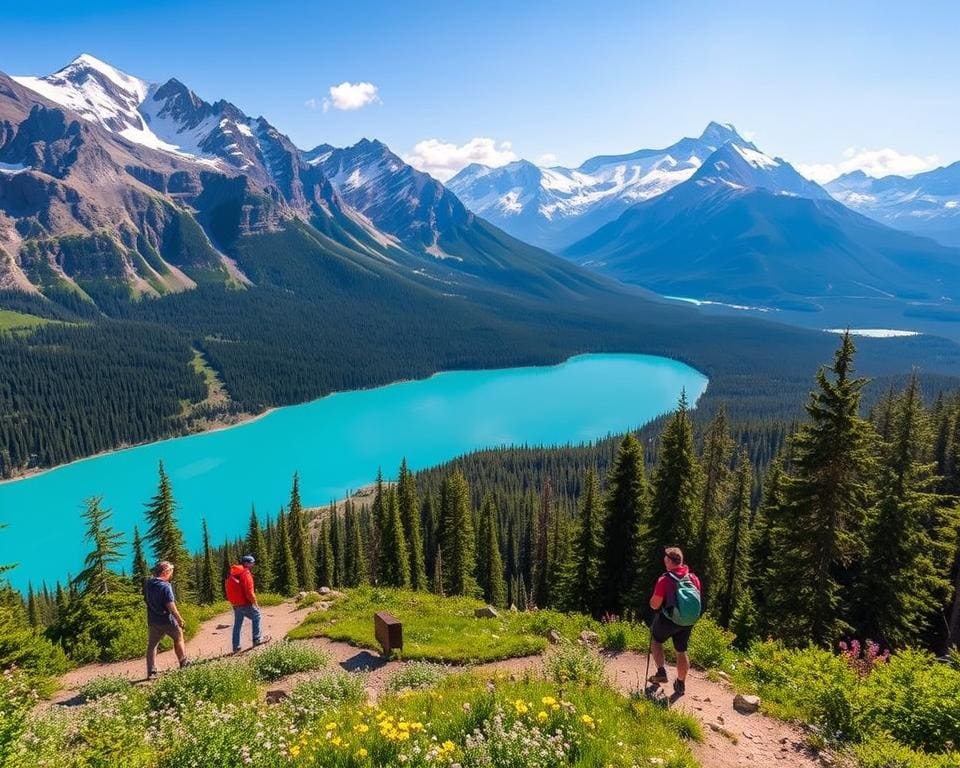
(325, 559)
(903, 580)
(540, 567)
(709, 528)
(164, 535)
(33, 608)
(819, 534)
(256, 545)
(394, 556)
(736, 545)
(97, 576)
(410, 514)
(677, 494)
(378, 521)
(560, 578)
(284, 566)
(457, 540)
(358, 572)
(584, 595)
(140, 571)
(209, 583)
(437, 581)
(766, 522)
(300, 538)
(625, 537)
(489, 561)
(337, 546)
(431, 532)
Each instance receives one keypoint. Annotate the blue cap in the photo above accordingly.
(248, 560)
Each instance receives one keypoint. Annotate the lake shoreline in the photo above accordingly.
(335, 445)
(243, 419)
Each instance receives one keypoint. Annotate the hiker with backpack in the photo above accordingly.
(240, 591)
(676, 600)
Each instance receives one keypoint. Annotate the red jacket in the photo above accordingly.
(238, 586)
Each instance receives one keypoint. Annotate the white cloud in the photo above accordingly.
(873, 162)
(312, 103)
(547, 159)
(348, 96)
(442, 160)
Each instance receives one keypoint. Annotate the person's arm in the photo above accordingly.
(656, 599)
(251, 592)
(172, 607)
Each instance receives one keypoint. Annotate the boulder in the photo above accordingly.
(324, 590)
(589, 637)
(554, 637)
(487, 612)
(275, 697)
(746, 705)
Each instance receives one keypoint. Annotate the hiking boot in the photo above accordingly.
(659, 677)
(262, 641)
(185, 663)
(679, 687)
(152, 674)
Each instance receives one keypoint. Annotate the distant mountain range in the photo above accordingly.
(748, 228)
(927, 204)
(554, 207)
(714, 218)
(113, 188)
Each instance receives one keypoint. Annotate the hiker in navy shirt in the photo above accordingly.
(663, 629)
(163, 618)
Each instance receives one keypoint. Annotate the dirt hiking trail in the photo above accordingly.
(731, 739)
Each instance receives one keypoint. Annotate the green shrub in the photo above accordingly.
(22, 647)
(624, 636)
(104, 686)
(915, 699)
(881, 750)
(110, 732)
(220, 682)
(573, 663)
(417, 675)
(794, 683)
(287, 658)
(270, 599)
(18, 694)
(710, 645)
(332, 688)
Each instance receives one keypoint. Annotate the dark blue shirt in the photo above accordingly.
(158, 594)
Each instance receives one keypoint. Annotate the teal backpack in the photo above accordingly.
(686, 610)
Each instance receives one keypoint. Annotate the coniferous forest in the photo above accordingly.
(843, 524)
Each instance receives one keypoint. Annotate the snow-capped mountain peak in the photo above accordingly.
(552, 207)
(96, 91)
(717, 134)
(743, 166)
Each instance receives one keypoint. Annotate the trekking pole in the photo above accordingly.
(646, 674)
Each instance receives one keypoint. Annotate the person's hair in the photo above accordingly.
(674, 554)
(162, 567)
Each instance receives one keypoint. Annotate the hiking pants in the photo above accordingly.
(241, 612)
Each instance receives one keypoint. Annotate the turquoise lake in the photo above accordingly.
(336, 444)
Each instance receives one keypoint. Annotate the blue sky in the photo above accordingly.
(809, 81)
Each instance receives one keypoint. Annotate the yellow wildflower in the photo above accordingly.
(542, 716)
(361, 753)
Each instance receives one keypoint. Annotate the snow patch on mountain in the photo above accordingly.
(552, 206)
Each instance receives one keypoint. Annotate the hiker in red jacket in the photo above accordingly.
(240, 592)
(663, 599)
